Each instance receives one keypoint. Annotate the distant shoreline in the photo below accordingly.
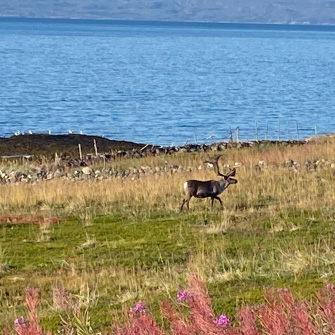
(280, 26)
(47, 145)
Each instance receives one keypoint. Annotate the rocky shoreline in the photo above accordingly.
(72, 146)
(62, 150)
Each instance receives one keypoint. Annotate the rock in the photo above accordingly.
(86, 170)
(310, 166)
(289, 163)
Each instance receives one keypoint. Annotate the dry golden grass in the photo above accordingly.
(281, 186)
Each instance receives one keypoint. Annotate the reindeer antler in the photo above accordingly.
(214, 162)
(231, 173)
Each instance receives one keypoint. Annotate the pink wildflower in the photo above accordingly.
(182, 295)
(222, 321)
(19, 322)
(139, 307)
(330, 286)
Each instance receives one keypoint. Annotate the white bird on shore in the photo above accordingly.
(70, 132)
(17, 133)
(210, 137)
(30, 132)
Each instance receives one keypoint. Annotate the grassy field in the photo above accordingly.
(119, 241)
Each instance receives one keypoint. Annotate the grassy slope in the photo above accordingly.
(121, 241)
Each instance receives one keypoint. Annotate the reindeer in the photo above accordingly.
(209, 188)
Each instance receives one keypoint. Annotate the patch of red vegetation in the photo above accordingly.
(17, 219)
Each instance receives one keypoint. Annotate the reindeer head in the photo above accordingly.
(228, 177)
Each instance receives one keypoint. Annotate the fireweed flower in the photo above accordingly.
(139, 307)
(182, 295)
(19, 322)
(222, 321)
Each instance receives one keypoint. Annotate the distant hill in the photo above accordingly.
(242, 11)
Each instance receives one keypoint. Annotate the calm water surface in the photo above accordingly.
(166, 83)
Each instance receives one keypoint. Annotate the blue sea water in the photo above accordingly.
(165, 83)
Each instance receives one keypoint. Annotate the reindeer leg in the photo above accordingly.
(185, 201)
(182, 205)
(212, 202)
(188, 203)
(219, 201)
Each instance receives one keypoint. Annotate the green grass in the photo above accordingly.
(120, 241)
(114, 260)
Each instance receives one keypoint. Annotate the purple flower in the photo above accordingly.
(222, 321)
(139, 307)
(182, 295)
(19, 322)
(283, 290)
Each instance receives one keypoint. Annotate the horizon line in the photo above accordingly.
(208, 24)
